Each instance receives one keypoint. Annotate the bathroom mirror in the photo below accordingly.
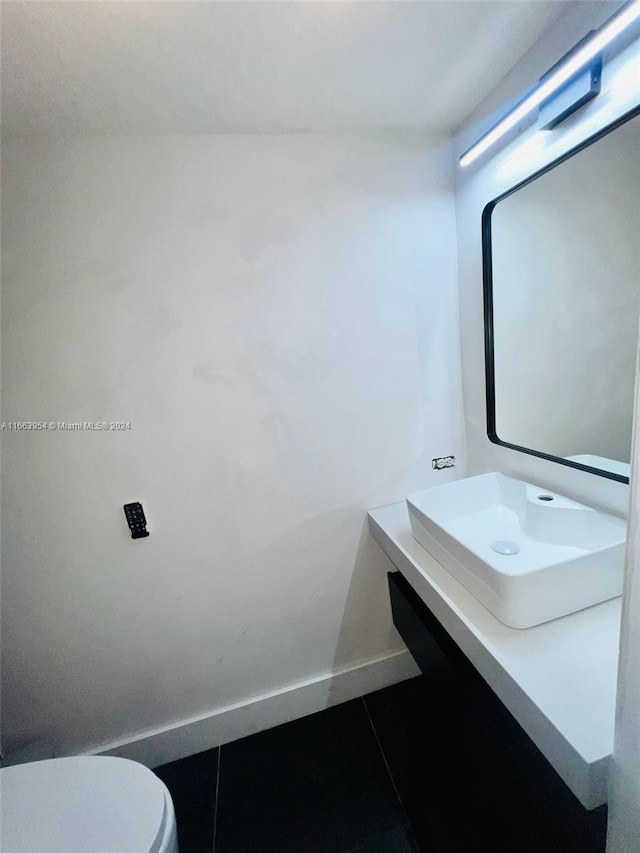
(561, 254)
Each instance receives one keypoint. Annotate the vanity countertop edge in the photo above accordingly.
(557, 679)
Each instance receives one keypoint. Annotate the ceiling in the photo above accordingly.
(183, 66)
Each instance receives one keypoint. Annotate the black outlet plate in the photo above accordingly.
(136, 520)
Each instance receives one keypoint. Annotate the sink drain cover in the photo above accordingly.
(505, 546)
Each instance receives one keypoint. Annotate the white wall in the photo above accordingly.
(624, 787)
(485, 180)
(277, 318)
(566, 263)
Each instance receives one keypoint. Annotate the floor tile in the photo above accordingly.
(192, 784)
(468, 776)
(316, 785)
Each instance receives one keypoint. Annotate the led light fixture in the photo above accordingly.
(575, 62)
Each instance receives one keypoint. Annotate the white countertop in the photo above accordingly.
(557, 679)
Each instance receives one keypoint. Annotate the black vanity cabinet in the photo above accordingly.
(471, 778)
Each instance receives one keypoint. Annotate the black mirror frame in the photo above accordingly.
(487, 278)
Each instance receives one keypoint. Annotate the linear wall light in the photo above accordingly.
(576, 61)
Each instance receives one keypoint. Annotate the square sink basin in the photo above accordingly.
(528, 554)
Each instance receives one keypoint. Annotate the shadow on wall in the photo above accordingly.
(367, 621)
(334, 574)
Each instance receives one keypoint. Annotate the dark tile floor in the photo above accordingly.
(433, 764)
(316, 784)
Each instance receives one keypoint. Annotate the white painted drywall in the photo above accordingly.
(623, 835)
(488, 178)
(566, 294)
(277, 318)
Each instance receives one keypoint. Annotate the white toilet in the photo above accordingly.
(88, 804)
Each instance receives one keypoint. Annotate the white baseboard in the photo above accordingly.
(223, 725)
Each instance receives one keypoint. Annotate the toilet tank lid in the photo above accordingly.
(78, 804)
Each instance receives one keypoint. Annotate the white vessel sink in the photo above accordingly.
(527, 554)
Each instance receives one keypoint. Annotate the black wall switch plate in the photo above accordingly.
(136, 520)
